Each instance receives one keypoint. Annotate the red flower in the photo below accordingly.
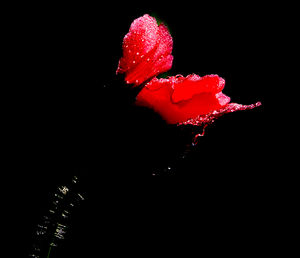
(179, 100)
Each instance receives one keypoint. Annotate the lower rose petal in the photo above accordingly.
(199, 109)
(203, 120)
(173, 113)
(157, 97)
(199, 104)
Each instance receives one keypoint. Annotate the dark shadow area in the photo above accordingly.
(73, 116)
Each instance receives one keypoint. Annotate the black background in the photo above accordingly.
(73, 116)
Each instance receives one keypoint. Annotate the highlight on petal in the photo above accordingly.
(147, 51)
(222, 98)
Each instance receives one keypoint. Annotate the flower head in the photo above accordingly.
(179, 100)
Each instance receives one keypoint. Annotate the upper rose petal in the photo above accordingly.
(147, 51)
(139, 41)
(158, 95)
(186, 88)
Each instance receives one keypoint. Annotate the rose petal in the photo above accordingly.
(200, 104)
(147, 51)
(222, 98)
(203, 120)
(193, 84)
(158, 93)
(140, 40)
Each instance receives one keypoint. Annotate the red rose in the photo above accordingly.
(179, 100)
